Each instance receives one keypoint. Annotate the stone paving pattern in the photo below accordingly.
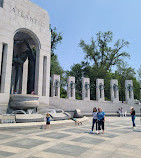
(71, 141)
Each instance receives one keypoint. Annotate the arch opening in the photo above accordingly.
(25, 51)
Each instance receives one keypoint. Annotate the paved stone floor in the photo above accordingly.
(119, 141)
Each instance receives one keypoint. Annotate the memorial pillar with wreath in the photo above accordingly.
(85, 89)
(71, 87)
(55, 86)
(129, 93)
(114, 91)
(100, 97)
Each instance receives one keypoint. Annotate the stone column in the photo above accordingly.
(1, 47)
(20, 81)
(6, 71)
(44, 76)
(47, 77)
(13, 80)
(114, 91)
(100, 97)
(25, 77)
(39, 73)
(85, 89)
(55, 86)
(71, 88)
(129, 94)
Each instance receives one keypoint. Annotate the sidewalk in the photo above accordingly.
(38, 124)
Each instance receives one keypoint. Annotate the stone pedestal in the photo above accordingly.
(100, 97)
(85, 89)
(55, 86)
(23, 102)
(71, 88)
(114, 91)
(129, 94)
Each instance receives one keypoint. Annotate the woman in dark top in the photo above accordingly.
(133, 116)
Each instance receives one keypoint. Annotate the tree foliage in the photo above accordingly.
(100, 52)
(139, 73)
(55, 68)
(125, 72)
(56, 38)
(100, 56)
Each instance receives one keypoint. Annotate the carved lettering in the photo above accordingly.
(27, 17)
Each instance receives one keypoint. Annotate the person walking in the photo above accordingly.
(133, 113)
(119, 111)
(94, 121)
(47, 121)
(101, 120)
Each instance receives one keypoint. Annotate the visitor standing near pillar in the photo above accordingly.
(101, 120)
(94, 121)
(133, 113)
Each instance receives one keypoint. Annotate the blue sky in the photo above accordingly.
(82, 19)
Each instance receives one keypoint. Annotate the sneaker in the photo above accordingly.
(97, 132)
(91, 131)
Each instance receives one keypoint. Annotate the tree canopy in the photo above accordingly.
(56, 38)
(101, 53)
(100, 57)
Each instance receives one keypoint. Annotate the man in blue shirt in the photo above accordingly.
(101, 119)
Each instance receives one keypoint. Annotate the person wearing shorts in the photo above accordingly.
(47, 121)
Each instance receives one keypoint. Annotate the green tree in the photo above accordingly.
(56, 38)
(139, 73)
(100, 56)
(125, 72)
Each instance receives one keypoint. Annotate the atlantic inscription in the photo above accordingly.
(27, 17)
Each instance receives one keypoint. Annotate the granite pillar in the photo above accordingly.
(129, 94)
(55, 86)
(85, 89)
(100, 97)
(71, 87)
(114, 91)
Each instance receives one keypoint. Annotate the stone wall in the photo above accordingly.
(87, 106)
(25, 16)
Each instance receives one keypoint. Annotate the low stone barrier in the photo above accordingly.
(40, 124)
(5, 119)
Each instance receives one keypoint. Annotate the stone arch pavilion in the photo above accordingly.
(24, 50)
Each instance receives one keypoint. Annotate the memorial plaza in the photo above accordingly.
(31, 95)
(70, 141)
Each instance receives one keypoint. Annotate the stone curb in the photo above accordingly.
(39, 124)
(110, 114)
